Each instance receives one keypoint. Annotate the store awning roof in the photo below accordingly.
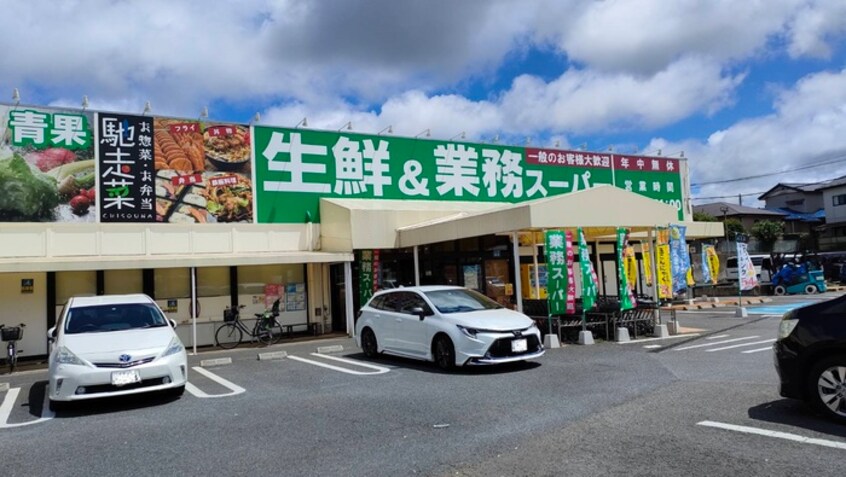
(54, 264)
(349, 224)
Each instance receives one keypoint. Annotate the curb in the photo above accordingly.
(330, 349)
(705, 335)
(215, 362)
(4, 387)
(272, 355)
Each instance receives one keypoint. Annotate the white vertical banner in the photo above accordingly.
(745, 268)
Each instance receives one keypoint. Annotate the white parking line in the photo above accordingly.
(716, 343)
(223, 382)
(646, 340)
(9, 403)
(739, 345)
(775, 434)
(379, 369)
(768, 348)
(717, 337)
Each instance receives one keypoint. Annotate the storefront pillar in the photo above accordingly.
(348, 298)
(518, 289)
(416, 267)
(535, 262)
(193, 308)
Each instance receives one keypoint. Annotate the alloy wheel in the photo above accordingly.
(831, 388)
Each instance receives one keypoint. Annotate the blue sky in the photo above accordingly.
(743, 88)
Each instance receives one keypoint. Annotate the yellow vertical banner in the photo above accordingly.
(713, 263)
(665, 274)
(647, 262)
(630, 266)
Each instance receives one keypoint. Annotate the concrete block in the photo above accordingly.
(673, 327)
(4, 387)
(330, 349)
(741, 312)
(661, 331)
(585, 338)
(272, 355)
(550, 341)
(621, 334)
(215, 362)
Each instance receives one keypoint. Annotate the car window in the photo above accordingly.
(377, 302)
(408, 301)
(731, 263)
(460, 300)
(102, 318)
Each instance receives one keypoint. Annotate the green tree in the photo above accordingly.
(703, 217)
(767, 232)
(733, 226)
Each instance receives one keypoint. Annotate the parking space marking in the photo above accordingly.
(646, 340)
(223, 382)
(768, 348)
(717, 343)
(378, 369)
(775, 434)
(9, 403)
(716, 337)
(739, 345)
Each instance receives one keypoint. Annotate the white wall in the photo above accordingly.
(27, 308)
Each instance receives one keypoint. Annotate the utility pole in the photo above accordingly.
(739, 199)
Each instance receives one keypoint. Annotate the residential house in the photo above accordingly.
(833, 234)
(802, 204)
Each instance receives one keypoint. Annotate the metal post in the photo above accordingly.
(536, 293)
(518, 287)
(599, 269)
(193, 308)
(348, 298)
(416, 267)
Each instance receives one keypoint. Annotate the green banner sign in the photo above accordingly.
(627, 299)
(556, 267)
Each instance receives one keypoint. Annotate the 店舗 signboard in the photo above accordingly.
(295, 168)
(83, 166)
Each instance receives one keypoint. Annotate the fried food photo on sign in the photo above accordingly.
(230, 202)
(178, 146)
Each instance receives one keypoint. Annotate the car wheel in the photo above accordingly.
(810, 289)
(444, 353)
(827, 387)
(368, 343)
(779, 290)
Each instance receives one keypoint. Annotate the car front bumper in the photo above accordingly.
(788, 366)
(77, 382)
(495, 348)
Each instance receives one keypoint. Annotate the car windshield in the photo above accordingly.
(460, 301)
(101, 318)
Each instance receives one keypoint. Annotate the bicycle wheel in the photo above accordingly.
(276, 331)
(12, 357)
(228, 336)
(264, 333)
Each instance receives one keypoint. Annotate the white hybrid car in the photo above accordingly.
(452, 326)
(114, 345)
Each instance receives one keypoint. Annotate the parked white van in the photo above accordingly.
(763, 265)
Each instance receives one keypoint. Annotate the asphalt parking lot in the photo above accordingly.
(705, 403)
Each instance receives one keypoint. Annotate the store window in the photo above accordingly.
(118, 282)
(252, 279)
(70, 284)
(173, 283)
(213, 281)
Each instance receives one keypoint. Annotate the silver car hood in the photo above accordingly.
(108, 346)
(501, 319)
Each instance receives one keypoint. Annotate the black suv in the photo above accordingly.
(810, 356)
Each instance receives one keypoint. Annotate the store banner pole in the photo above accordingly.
(193, 308)
(518, 289)
(416, 267)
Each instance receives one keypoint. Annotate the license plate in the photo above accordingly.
(518, 346)
(122, 378)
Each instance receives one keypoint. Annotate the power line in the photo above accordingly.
(726, 196)
(840, 158)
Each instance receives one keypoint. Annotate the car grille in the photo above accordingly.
(124, 365)
(501, 348)
(109, 388)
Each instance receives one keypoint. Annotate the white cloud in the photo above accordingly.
(815, 26)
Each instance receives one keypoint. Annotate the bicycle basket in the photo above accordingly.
(12, 333)
(229, 315)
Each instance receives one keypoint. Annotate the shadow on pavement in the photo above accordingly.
(429, 367)
(796, 414)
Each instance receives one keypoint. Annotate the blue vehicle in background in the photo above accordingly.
(794, 278)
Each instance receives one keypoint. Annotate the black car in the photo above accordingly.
(810, 356)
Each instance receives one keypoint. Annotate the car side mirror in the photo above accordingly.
(419, 311)
(172, 323)
(51, 334)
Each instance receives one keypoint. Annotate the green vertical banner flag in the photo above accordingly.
(589, 283)
(556, 269)
(627, 300)
(365, 276)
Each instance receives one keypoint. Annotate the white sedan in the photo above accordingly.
(452, 326)
(114, 345)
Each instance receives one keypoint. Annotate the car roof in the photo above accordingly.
(110, 299)
(423, 288)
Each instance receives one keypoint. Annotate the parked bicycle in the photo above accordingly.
(13, 334)
(266, 329)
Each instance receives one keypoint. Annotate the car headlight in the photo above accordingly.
(787, 324)
(468, 332)
(174, 347)
(65, 356)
